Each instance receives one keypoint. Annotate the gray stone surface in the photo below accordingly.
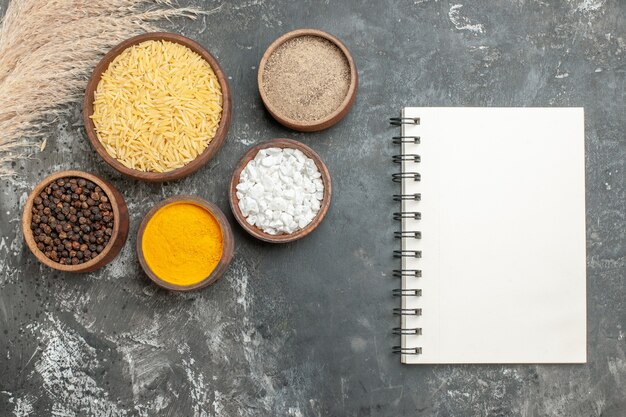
(304, 329)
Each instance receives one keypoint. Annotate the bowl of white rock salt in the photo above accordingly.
(280, 191)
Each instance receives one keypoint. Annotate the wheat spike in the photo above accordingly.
(48, 49)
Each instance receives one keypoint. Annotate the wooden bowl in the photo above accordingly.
(120, 224)
(227, 251)
(331, 119)
(325, 203)
(211, 149)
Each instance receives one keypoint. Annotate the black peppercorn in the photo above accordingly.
(72, 221)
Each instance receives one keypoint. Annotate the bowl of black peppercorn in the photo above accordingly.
(75, 221)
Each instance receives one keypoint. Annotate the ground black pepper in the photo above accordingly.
(306, 78)
(72, 220)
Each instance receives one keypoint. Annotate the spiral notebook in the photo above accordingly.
(492, 237)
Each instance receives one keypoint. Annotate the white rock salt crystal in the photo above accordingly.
(285, 178)
(308, 186)
(256, 191)
(279, 204)
(252, 205)
(267, 182)
(268, 161)
(252, 172)
(243, 186)
(286, 218)
(299, 196)
(289, 194)
(280, 190)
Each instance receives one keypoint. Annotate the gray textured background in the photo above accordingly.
(304, 329)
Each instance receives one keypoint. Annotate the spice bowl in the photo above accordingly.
(118, 233)
(294, 69)
(147, 230)
(324, 203)
(211, 149)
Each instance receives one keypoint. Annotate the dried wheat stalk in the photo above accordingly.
(48, 49)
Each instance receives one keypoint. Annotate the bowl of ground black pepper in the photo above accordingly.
(307, 80)
(74, 221)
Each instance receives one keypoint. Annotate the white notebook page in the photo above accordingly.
(503, 235)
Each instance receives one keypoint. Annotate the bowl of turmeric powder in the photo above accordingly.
(185, 243)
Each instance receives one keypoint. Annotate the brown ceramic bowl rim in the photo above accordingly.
(325, 203)
(28, 215)
(227, 236)
(212, 148)
(345, 104)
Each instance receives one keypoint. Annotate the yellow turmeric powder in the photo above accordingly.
(182, 243)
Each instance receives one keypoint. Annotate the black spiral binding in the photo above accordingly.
(399, 273)
(399, 215)
(407, 351)
(398, 159)
(399, 176)
(399, 292)
(406, 234)
(407, 254)
(398, 140)
(414, 197)
(400, 331)
(397, 121)
(407, 311)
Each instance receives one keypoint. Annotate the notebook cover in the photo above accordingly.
(503, 235)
